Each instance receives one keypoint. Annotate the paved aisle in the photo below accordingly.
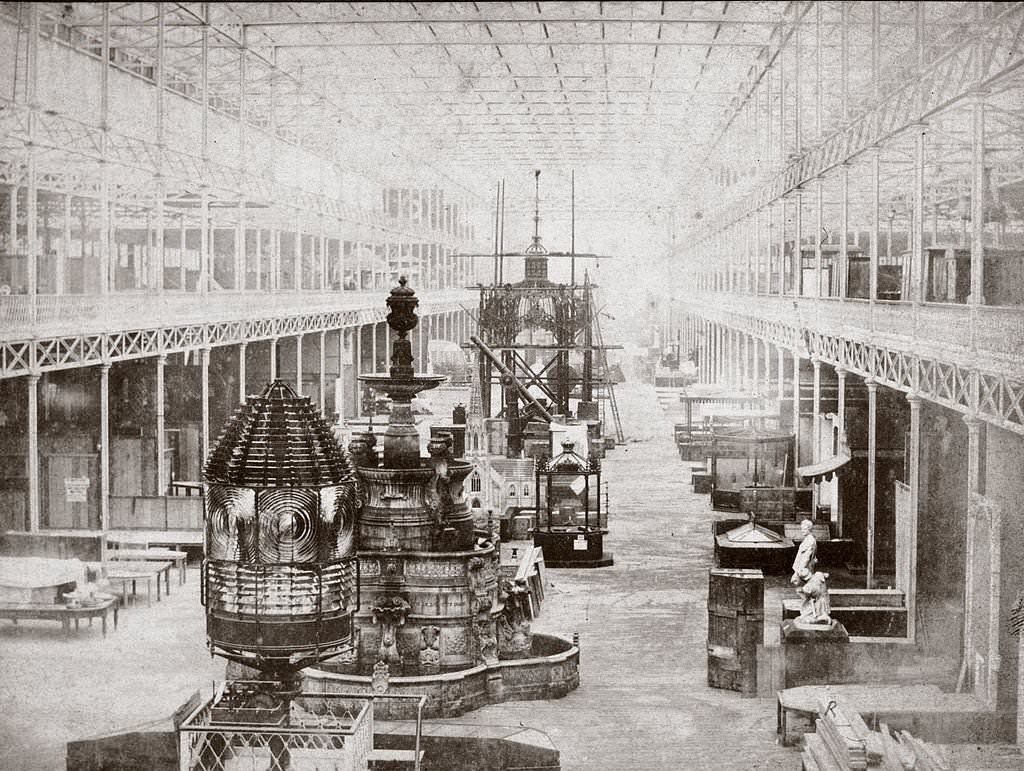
(643, 700)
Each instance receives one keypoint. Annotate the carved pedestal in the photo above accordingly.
(815, 654)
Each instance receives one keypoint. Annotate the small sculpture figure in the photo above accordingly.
(806, 555)
(381, 677)
(487, 640)
(390, 613)
(815, 608)
(430, 649)
(513, 624)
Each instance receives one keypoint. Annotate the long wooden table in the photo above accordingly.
(179, 558)
(125, 571)
(16, 611)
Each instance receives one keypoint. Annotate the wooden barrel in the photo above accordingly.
(735, 628)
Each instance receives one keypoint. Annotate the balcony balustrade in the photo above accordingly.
(23, 316)
(957, 331)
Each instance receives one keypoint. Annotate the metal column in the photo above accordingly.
(841, 417)
(242, 347)
(914, 483)
(32, 459)
(204, 358)
(161, 427)
(104, 447)
(872, 387)
(323, 370)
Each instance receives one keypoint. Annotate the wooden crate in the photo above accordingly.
(735, 628)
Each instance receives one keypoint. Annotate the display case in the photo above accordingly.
(748, 457)
(570, 523)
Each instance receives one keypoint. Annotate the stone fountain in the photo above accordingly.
(434, 616)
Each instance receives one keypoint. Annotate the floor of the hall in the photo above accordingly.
(643, 700)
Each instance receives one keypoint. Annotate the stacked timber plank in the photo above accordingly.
(843, 742)
(904, 752)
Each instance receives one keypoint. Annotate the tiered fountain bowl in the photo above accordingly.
(435, 616)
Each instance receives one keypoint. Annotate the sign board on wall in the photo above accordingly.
(76, 489)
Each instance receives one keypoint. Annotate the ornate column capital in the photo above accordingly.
(973, 422)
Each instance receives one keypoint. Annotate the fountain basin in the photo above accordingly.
(549, 674)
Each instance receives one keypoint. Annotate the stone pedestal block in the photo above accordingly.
(815, 654)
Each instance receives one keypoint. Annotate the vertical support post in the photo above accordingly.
(104, 447)
(204, 359)
(32, 192)
(373, 348)
(298, 364)
(977, 295)
(756, 365)
(12, 218)
(298, 277)
(815, 429)
(780, 354)
(157, 252)
(974, 427)
(840, 282)
(323, 369)
(241, 259)
(918, 271)
(32, 459)
(746, 381)
(796, 261)
(357, 337)
(204, 241)
(876, 223)
(64, 253)
(204, 83)
(323, 256)
(914, 483)
(161, 427)
(782, 247)
(242, 347)
(104, 200)
(841, 416)
(872, 387)
(819, 227)
(273, 358)
(339, 383)
(796, 409)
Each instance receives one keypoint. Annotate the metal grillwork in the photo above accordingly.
(246, 728)
(279, 578)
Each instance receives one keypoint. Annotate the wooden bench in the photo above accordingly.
(864, 612)
(18, 611)
(924, 706)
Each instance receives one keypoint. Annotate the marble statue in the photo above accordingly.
(815, 608)
(806, 555)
